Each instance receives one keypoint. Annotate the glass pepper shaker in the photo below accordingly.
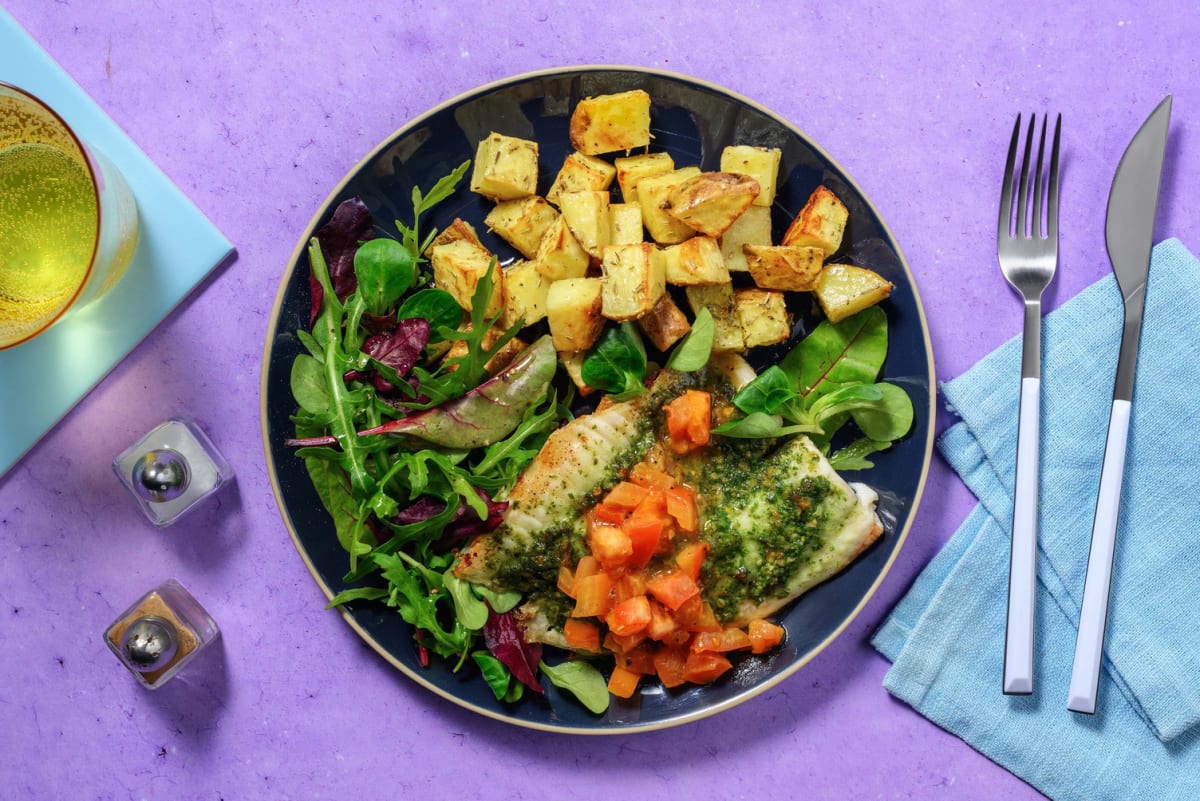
(171, 469)
(160, 633)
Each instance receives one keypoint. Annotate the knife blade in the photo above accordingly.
(1129, 234)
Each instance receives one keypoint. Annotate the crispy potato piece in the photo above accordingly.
(665, 324)
(626, 221)
(753, 227)
(820, 224)
(573, 312)
(632, 169)
(581, 173)
(763, 316)
(760, 163)
(653, 191)
(522, 223)
(587, 215)
(844, 290)
(634, 278)
(459, 229)
(559, 254)
(789, 267)
(720, 302)
(457, 268)
(506, 167)
(608, 123)
(711, 201)
(696, 262)
(525, 291)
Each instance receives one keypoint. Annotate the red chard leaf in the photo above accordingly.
(349, 226)
(504, 637)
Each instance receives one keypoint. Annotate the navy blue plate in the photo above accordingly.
(693, 121)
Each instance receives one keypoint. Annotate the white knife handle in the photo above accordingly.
(1093, 614)
(1022, 570)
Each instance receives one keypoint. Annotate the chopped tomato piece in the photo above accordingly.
(764, 635)
(610, 545)
(608, 513)
(662, 625)
(645, 534)
(566, 581)
(625, 495)
(690, 558)
(689, 420)
(623, 683)
(623, 644)
(705, 666)
(582, 634)
(650, 477)
(639, 659)
(673, 588)
(681, 505)
(629, 616)
(594, 596)
(588, 566)
(669, 664)
(696, 615)
(725, 640)
(630, 585)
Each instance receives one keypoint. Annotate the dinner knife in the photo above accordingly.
(1128, 233)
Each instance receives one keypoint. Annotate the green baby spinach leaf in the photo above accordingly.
(500, 602)
(694, 350)
(437, 306)
(854, 456)
(582, 680)
(617, 364)
(471, 611)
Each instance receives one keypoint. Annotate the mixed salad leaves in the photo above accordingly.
(412, 451)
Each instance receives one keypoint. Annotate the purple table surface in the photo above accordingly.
(256, 109)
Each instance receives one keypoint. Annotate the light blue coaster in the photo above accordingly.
(41, 380)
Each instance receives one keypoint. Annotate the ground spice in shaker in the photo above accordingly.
(170, 628)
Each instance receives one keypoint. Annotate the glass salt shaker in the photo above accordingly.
(172, 469)
(160, 633)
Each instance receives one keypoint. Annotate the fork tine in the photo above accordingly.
(1052, 189)
(1022, 227)
(1004, 227)
(1037, 184)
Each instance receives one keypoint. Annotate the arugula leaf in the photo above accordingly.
(358, 594)
(497, 676)
(582, 680)
(694, 350)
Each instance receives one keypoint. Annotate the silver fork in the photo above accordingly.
(1028, 254)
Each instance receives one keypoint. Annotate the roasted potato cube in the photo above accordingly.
(720, 302)
(711, 201)
(581, 173)
(696, 262)
(760, 163)
(457, 268)
(820, 224)
(559, 255)
(573, 312)
(572, 362)
(634, 278)
(459, 229)
(525, 292)
(763, 316)
(844, 290)
(632, 169)
(607, 123)
(653, 191)
(505, 167)
(753, 227)
(522, 223)
(665, 324)
(789, 267)
(626, 221)
(508, 351)
(587, 215)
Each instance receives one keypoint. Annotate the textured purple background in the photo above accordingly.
(256, 109)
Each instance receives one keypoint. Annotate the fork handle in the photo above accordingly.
(1093, 612)
(1022, 570)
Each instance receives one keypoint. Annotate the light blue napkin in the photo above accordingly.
(945, 638)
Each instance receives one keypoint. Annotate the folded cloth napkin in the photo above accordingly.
(945, 638)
